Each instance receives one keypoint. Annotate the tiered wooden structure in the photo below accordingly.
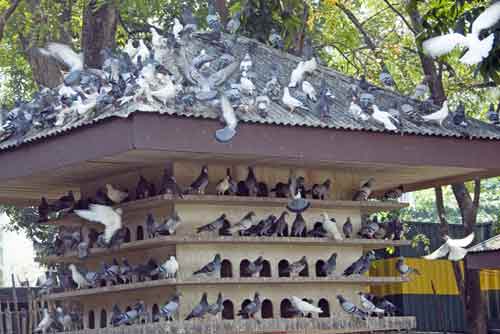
(193, 251)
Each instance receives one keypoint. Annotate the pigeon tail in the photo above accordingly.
(224, 135)
(298, 205)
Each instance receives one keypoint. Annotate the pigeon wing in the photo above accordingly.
(463, 242)
(457, 253)
(440, 252)
(66, 55)
(486, 19)
(440, 45)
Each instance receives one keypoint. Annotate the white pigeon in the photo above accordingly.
(166, 93)
(80, 280)
(304, 307)
(454, 248)
(130, 49)
(66, 55)
(302, 68)
(227, 133)
(309, 90)
(330, 226)
(157, 40)
(477, 49)
(385, 118)
(142, 51)
(369, 307)
(357, 112)
(438, 116)
(246, 64)
(66, 91)
(177, 28)
(45, 323)
(109, 217)
(290, 101)
(115, 195)
(171, 267)
(81, 106)
(247, 85)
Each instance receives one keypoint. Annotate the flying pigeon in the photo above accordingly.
(369, 307)
(252, 308)
(115, 195)
(454, 248)
(330, 265)
(200, 184)
(298, 204)
(199, 310)
(211, 269)
(177, 28)
(228, 115)
(365, 191)
(330, 225)
(171, 308)
(217, 307)
(403, 268)
(109, 217)
(213, 226)
(360, 266)
(384, 118)
(350, 308)
(255, 267)
(64, 54)
(477, 49)
(347, 228)
(304, 307)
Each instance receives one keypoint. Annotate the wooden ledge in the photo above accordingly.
(371, 206)
(132, 246)
(356, 280)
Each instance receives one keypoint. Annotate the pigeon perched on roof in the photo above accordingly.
(385, 118)
(199, 310)
(459, 116)
(493, 114)
(453, 248)
(478, 49)
(252, 308)
(211, 269)
(275, 39)
(291, 102)
(438, 116)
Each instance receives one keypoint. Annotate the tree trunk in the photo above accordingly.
(46, 70)
(99, 31)
(221, 7)
(65, 35)
(476, 308)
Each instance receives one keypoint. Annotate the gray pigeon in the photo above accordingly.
(217, 307)
(126, 271)
(393, 194)
(365, 191)
(251, 182)
(282, 225)
(169, 225)
(321, 191)
(249, 311)
(360, 266)
(350, 308)
(268, 226)
(200, 184)
(234, 23)
(129, 317)
(295, 268)
(213, 226)
(83, 250)
(169, 185)
(150, 226)
(255, 267)
(199, 310)
(369, 229)
(347, 228)
(368, 306)
(211, 269)
(330, 265)
(298, 226)
(403, 268)
(170, 308)
(386, 78)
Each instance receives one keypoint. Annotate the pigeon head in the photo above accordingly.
(259, 259)
(325, 217)
(341, 298)
(334, 256)
(217, 258)
(256, 296)
(204, 169)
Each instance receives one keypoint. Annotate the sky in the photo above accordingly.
(18, 256)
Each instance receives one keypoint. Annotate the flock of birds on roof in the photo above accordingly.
(166, 74)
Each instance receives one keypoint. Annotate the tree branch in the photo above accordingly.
(477, 194)
(368, 40)
(441, 211)
(4, 17)
(398, 13)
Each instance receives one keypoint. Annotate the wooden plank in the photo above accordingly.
(158, 242)
(352, 280)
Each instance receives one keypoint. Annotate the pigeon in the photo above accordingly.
(251, 182)
(143, 189)
(64, 54)
(168, 269)
(171, 308)
(246, 64)
(109, 217)
(396, 229)
(150, 226)
(212, 18)
(477, 49)
(177, 28)
(421, 90)
(438, 116)
(46, 322)
(309, 90)
(298, 226)
(111, 272)
(142, 271)
(291, 102)
(459, 116)
(115, 195)
(83, 250)
(225, 134)
(317, 231)
(129, 317)
(199, 310)
(295, 268)
(211, 269)
(389, 308)
(454, 248)
(223, 185)
(403, 268)
(330, 265)
(43, 211)
(298, 204)
(330, 225)
(81, 279)
(368, 306)
(350, 308)
(276, 40)
(493, 115)
(255, 267)
(304, 307)
(169, 226)
(217, 307)
(245, 223)
(321, 191)
(347, 228)
(213, 226)
(269, 226)
(369, 229)
(167, 92)
(360, 266)
(234, 23)
(246, 84)
(169, 185)
(365, 191)
(302, 68)
(384, 118)
(386, 78)
(126, 271)
(281, 190)
(189, 21)
(393, 194)
(64, 202)
(252, 308)
(200, 184)
(357, 111)
(262, 102)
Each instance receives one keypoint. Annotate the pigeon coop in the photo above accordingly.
(118, 146)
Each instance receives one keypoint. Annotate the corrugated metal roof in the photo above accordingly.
(489, 245)
(263, 58)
